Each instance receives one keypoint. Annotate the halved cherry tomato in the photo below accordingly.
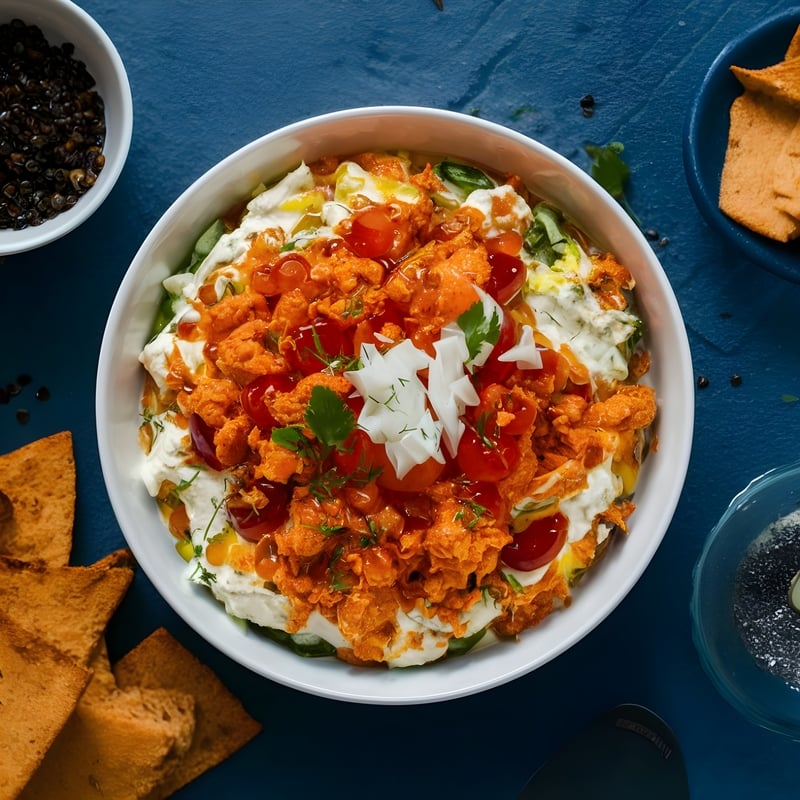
(506, 278)
(288, 271)
(358, 456)
(537, 545)
(416, 479)
(252, 523)
(372, 233)
(361, 455)
(509, 242)
(317, 344)
(496, 397)
(487, 459)
(202, 438)
(257, 391)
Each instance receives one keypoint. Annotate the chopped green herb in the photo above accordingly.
(462, 177)
(478, 329)
(202, 575)
(513, 582)
(329, 417)
(545, 238)
(205, 244)
(301, 644)
(611, 172)
(457, 647)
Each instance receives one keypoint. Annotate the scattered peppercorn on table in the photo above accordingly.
(263, 65)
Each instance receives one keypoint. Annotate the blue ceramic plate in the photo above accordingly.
(706, 138)
(758, 678)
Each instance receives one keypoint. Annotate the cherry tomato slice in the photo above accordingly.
(358, 456)
(509, 242)
(317, 344)
(257, 391)
(488, 496)
(372, 233)
(202, 437)
(481, 459)
(253, 523)
(537, 545)
(289, 271)
(506, 278)
(416, 479)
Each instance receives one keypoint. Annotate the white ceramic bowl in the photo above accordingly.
(62, 21)
(551, 176)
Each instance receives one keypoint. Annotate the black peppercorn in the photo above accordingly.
(52, 127)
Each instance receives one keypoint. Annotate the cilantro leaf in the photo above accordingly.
(545, 238)
(611, 172)
(329, 417)
(292, 438)
(478, 329)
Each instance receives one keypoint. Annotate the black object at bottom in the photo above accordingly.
(628, 752)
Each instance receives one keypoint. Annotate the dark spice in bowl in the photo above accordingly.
(52, 127)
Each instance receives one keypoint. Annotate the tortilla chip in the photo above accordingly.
(781, 80)
(760, 125)
(223, 725)
(39, 689)
(793, 50)
(786, 175)
(39, 480)
(117, 744)
(68, 606)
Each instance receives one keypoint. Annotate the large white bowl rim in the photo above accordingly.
(424, 130)
(63, 21)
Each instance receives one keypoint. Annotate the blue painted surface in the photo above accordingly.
(206, 78)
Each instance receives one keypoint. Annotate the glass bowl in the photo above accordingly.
(745, 630)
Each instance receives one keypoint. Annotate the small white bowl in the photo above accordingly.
(62, 21)
(120, 380)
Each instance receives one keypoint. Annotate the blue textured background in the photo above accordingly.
(206, 78)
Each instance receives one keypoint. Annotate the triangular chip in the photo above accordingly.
(793, 50)
(781, 81)
(39, 481)
(786, 174)
(759, 124)
(39, 689)
(117, 744)
(223, 724)
(68, 606)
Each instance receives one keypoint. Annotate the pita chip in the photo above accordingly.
(69, 607)
(793, 50)
(223, 725)
(781, 80)
(38, 481)
(759, 124)
(39, 690)
(119, 744)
